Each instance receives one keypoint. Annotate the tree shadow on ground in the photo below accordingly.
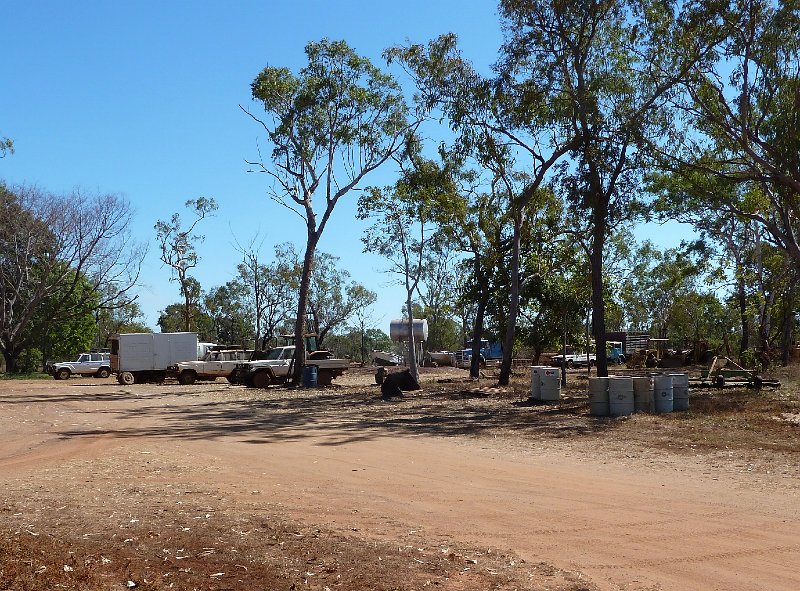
(334, 416)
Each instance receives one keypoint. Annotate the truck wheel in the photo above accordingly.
(103, 373)
(261, 379)
(126, 378)
(187, 377)
(63, 374)
(570, 364)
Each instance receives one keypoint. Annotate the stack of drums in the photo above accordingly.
(551, 383)
(680, 391)
(620, 396)
(598, 397)
(643, 394)
(662, 392)
(545, 383)
(536, 381)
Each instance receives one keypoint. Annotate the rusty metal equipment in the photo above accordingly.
(724, 372)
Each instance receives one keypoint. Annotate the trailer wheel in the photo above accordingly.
(324, 377)
(126, 378)
(187, 377)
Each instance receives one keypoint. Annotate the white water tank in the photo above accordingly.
(398, 330)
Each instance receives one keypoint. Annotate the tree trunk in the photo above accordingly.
(480, 312)
(788, 324)
(513, 311)
(741, 296)
(598, 304)
(412, 349)
(302, 305)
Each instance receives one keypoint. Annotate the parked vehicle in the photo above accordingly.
(615, 352)
(386, 358)
(276, 367)
(218, 362)
(94, 363)
(573, 360)
(489, 352)
(145, 357)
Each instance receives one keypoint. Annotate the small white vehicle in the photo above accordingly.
(574, 360)
(276, 366)
(97, 364)
(216, 363)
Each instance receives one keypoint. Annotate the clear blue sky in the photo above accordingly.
(142, 99)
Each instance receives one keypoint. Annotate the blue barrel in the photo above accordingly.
(310, 376)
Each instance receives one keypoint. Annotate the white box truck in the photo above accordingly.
(144, 356)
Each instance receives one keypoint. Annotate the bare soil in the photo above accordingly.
(460, 486)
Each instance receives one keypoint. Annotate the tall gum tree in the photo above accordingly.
(612, 65)
(329, 126)
(741, 117)
(502, 121)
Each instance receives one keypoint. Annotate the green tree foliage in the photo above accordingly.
(404, 228)
(178, 252)
(329, 127)
(230, 317)
(742, 117)
(61, 258)
(6, 147)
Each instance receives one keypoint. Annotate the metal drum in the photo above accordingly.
(536, 381)
(598, 397)
(680, 391)
(662, 393)
(620, 396)
(551, 383)
(643, 394)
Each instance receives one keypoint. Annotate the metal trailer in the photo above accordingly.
(145, 357)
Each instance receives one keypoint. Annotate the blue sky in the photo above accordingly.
(142, 99)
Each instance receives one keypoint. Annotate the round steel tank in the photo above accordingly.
(536, 381)
(643, 394)
(620, 396)
(662, 393)
(398, 330)
(598, 397)
(680, 391)
(551, 383)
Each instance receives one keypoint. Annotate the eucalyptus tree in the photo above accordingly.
(57, 253)
(177, 245)
(741, 117)
(330, 126)
(610, 66)
(405, 222)
(508, 123)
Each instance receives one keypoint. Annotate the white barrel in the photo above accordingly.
(680, 391)
(662, 393)
(551, 383)
(620, 396)
(536, 381)
(643, 394)
(398, 330)
(598, 397)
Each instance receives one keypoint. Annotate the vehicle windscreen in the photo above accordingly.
(274, 354)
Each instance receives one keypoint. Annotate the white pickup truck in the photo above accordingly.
(275, 367)
(216, 363)
(574, 360)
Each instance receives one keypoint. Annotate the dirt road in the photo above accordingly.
(615, 517)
